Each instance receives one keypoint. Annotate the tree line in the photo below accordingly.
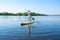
(22, 14)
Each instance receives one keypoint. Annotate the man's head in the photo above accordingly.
(28, 10)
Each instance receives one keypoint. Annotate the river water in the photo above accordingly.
(43, 28)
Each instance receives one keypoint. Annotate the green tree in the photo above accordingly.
(19, 14)
(24, 14)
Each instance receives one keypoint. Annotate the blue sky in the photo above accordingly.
(42, 6)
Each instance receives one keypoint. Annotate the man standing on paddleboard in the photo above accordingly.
(29, 16)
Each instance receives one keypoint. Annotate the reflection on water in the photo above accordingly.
(29, 29)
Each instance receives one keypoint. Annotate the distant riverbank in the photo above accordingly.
(21, 14)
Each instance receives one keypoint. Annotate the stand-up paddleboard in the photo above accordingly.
(25, 23)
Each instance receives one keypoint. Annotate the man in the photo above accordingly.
(29, 16)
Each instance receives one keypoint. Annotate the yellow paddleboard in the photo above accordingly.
(25, 23)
